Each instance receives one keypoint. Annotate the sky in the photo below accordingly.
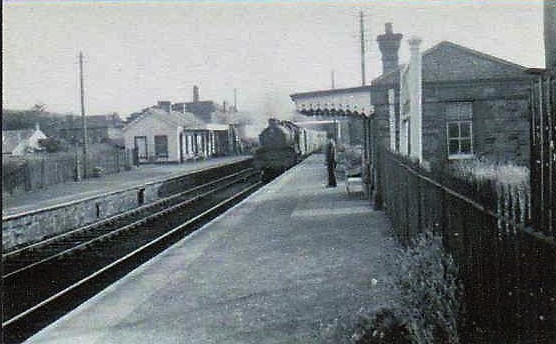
(137, 53)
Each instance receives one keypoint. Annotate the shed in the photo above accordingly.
(157, 135)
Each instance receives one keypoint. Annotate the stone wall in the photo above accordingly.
(505, 137)
(28, 228)
(381, 117)
(500, 118)
(34, 226)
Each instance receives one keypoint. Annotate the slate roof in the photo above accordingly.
(202, 109)
(448, 61)
(177, 119)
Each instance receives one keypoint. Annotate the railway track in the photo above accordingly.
(43, 281)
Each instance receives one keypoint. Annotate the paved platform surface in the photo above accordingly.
(67, 192)
(283, 265)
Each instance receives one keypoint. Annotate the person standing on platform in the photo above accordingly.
(330, 152)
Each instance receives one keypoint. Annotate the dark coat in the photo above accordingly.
(330, 152)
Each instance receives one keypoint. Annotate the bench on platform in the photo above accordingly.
(354, 180)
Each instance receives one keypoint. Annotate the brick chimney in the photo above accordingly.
(415, 101)
(389, 44)
(195, 94)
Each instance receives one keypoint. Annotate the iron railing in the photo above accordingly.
(543, 153)
(508, 270)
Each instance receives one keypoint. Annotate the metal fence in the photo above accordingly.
(33, 172)
(508, 270)
(543, 153)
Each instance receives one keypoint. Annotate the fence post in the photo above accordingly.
(42, 173)
(118, 161)
(27, 173)
(379, 156)
(136, 156)
(77, 174)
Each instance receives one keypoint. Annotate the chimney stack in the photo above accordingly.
(389, 44)
(415, 101)
(195, 94)
(165, 105)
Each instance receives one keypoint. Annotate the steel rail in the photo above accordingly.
(121, 261)
(131, 225)
(151, 181)
(116, 217)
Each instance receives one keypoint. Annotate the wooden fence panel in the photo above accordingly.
(39, 171)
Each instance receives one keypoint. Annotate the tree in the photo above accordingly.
(52, 145)
(40, 107)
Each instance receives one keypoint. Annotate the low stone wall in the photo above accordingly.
(27, 228)
(34, 226)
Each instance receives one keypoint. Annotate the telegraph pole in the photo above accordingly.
(362, 28)
(235, 99)
(83, 121)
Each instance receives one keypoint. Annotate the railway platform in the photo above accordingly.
(91, 187)
(286, 265)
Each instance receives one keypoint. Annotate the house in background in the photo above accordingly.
(471, 105)
(100, 129)
(157, 135)
(201, 109)
(20, 142)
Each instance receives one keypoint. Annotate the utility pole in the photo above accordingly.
(83, 121)
(235, 99)
(362, 28)
(332, 79)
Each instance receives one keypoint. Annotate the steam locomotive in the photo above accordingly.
(283, 144)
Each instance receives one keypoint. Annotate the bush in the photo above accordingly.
(476, 171)
(53, 145)
(383, 326)
(428, 307)
(430, 291)
(98, 171)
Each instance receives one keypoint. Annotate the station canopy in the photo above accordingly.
(354, 102)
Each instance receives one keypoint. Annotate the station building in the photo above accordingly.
(449, 103)
(452, 103)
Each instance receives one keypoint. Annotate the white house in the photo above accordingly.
(19, 142)
(157, 135)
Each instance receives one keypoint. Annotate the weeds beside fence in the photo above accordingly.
(36, 171)
(508, 270)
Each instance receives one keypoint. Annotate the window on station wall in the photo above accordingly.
(459, 128)
(161, 146)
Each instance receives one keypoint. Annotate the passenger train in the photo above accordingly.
(283, 144)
